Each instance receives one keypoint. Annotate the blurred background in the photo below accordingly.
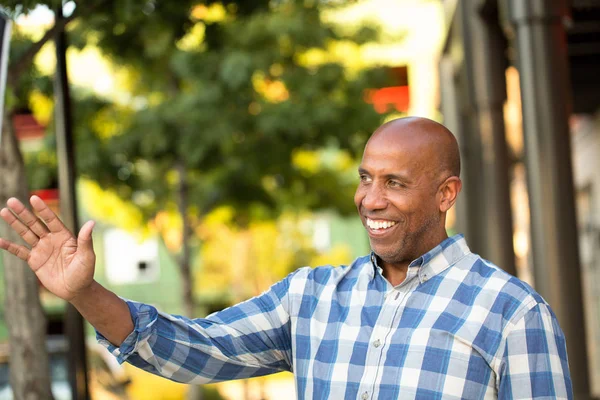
(216, 144)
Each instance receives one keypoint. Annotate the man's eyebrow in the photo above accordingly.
(399, 177)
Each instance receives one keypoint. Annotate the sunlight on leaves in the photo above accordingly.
(107, 207)
(42, 107)
(263, 253)
(212, 13)
(194, 39)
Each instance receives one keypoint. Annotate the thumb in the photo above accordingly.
(84, 239)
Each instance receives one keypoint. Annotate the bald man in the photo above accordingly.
(421, 317)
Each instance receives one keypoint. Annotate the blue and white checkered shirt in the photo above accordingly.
(458, 327)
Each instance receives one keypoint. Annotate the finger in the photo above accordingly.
(52, 221)
(84, 239)
(27, 217)
(20, 251)
(15, 223)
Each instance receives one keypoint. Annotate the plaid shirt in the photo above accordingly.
(458, 327)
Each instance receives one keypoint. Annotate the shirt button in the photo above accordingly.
(365, 396)
(377, 343)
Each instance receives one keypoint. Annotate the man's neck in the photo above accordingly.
(395, 274)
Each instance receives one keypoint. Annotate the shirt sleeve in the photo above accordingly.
(246, 340)
(534, 365)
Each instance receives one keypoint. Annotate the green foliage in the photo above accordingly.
(232, 109)
(210, 393)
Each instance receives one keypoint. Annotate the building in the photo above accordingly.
(548, 140)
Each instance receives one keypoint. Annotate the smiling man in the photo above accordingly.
(409, 178)
(421, 317)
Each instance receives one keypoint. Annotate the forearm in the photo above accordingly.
(246, 340)
(107, 313)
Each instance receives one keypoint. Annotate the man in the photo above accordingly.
(420, 318)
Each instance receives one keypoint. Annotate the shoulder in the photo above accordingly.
(503, 293)
(329, 274)
(316, 279)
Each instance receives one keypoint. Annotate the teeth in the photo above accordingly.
(380, 224)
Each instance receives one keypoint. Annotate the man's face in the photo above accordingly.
(397, 197)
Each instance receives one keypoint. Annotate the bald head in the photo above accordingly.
(409, 179)
(436, 144)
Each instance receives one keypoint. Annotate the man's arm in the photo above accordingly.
(249, 339)
(65, 265)
(107, 312)
(535, 364)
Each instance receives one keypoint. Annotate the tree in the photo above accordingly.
(222, 98)
(29, 374)
(226, 105)
(27, 328)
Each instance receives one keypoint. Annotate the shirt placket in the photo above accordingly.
(388, 318)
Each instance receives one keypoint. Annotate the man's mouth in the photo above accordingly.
(379, 224)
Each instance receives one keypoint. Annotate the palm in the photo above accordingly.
(62, 263)
(59, 266)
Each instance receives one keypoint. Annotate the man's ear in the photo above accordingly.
(449, 190)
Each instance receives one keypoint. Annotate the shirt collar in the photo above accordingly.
(436, 260)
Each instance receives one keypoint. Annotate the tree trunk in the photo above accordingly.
(189, 304)
(29, 368)
(185, 259)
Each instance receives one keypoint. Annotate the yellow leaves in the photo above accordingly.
(169, 225)
(105, 125)
(105, 206)
(311, 162)
(172, 177)
(261, 254)
(339, 254)
(247, 261)
(274, 91)
(194, 39)
(42, 107)
(218, 216)
(347, 53)
(212, 13)
(313, 57)
(147, 386)
(45, 60)
(306, 161)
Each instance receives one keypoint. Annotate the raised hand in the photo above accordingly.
(63, 264)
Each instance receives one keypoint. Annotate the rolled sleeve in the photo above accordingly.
(144, 317)
(246, 340)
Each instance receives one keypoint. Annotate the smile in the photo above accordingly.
(379, 224)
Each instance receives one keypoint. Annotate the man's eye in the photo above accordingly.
(365, 178)
(395, 184)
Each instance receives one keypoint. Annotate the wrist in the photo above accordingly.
(85, 294)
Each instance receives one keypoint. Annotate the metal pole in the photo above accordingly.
(472, 213)
(488, 65)
(74, 328)
(453, 121)
(477, 116)
(5, 29)
(540, 40)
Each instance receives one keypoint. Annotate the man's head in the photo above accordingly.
(409, 179)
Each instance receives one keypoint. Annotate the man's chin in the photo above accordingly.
(387, 256)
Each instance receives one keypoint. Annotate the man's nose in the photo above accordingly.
(374, 198)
